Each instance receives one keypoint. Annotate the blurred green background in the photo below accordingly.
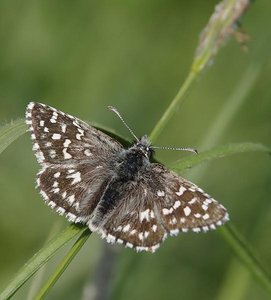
(80, 56)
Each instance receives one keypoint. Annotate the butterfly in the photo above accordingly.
(90, 178)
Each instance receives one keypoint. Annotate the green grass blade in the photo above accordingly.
(39, 259)
(246, 255)
(175, 103)
(10, 132)
(218, 152)
(64, 264)
(37, 280)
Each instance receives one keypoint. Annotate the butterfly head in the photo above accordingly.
(144, 146)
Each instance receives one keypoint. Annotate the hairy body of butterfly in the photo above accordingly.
(90, 178)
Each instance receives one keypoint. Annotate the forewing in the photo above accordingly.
(61, 138)
(183, 206)
(74, 158)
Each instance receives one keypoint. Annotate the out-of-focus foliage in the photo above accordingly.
(81, 56)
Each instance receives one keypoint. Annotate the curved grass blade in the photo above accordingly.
(246, 255)
(40, 258)
(10, 132)
(63, 264)
(218, 152)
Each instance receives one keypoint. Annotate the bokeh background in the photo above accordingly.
(80, 56)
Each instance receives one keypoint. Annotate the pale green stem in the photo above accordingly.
(175, 103)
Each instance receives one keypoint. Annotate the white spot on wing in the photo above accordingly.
(174, 231)
(173, 221)
(204, 207)
(70, 199)
(155, 247)
(205, 228)
(63, 127)
(146, 234)
(132, 232)
(40, 156)
(66, 154)
(206, 216)
(129, 245)
(182, 189)
(197, 215)
(144, 215)
(87, 152)
(177, 204)
(193, 200)
(111, 239)
(35, 147)
(30, 105)
(187, 211)
(44, 195)
(71, 217)
(52, 153)
(55, 184)
(76, 177)
(57, 174)
(52, 204)
(167, 211)
(66, 143)
(160, 193)
(60, 210)
(154, 228)
(126, 228)
(56, 136)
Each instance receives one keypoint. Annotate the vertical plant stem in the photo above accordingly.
(177, 100)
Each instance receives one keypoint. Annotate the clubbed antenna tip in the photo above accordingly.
(176, 149)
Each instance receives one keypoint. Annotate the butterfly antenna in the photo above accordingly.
(119, 115)
(177, 149)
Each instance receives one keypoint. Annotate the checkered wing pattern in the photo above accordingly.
(73, 156)
(59, 138)
(161, 204)
(89, 177)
